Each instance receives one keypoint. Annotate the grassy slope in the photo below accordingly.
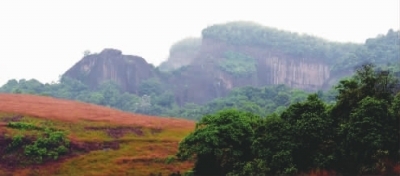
(104, 141)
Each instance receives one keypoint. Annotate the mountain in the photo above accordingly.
(49, 136)
(233, 55)
(239, 65)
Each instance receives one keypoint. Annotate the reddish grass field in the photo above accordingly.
(68, 110)
(142, 143)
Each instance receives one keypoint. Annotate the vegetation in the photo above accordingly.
(44, 144)
(72, 138)
(181, 54)
(152, 99)
(244, 33)
(352, 129)
(382, 50)
(157, 97)
(356, 135)
(238, 64)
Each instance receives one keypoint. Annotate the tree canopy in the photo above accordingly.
(356, 135)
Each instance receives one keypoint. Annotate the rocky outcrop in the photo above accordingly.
(234, 55)
(203, 79)
(295, 73)
(125, 70)
(273, 67)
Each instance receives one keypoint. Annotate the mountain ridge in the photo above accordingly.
(232, 55)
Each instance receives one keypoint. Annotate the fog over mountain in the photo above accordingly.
(42, 39)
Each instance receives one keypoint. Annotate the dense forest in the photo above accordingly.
(356, 135)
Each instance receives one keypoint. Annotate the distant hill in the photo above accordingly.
(238, 54)
(98, 140)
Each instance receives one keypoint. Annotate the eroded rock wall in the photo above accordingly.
(296, 73)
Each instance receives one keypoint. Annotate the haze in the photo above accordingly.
(42, 39)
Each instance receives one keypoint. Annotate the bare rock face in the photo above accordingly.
(298, 73)
(125, 70)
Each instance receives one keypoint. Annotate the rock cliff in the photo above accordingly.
(202, 79)
(225, 57)
(125, 70)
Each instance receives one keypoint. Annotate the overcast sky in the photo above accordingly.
(42, 39)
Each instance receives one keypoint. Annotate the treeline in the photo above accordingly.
(382, 50)
(300, 46)
(152, 99)
(356, 135)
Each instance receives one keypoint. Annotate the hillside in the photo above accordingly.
(237, 54)
(230, 65)
(99, 140)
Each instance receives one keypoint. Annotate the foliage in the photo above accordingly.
(356, 135)
(154, 100)
(238, 64)
(150, 87)
(381, 50)
(169, 159)
(164, 99)
(23, 126)
(16, 142)
(220, 142)
(129, 154)
(51, 145)
(301, 46)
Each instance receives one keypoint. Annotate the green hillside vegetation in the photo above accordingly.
(153, 101)
(181, 53)
(357, 135)
(382, 50)
(340, 56)
(238, 64)
(156, 97)
(244, 33)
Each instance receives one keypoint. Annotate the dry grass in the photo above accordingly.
(136, 154)
(68, 110)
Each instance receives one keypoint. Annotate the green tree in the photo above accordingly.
(272, 147)
(221, 143)
(366, 127)
(311, 127)
(371, 131)
(150, 87)
(367, 81)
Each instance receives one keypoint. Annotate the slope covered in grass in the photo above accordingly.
(48, 136)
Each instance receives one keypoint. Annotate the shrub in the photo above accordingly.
(23, 126)
(16, 142)
(51, 145)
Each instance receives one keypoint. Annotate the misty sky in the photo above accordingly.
(42, 39)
